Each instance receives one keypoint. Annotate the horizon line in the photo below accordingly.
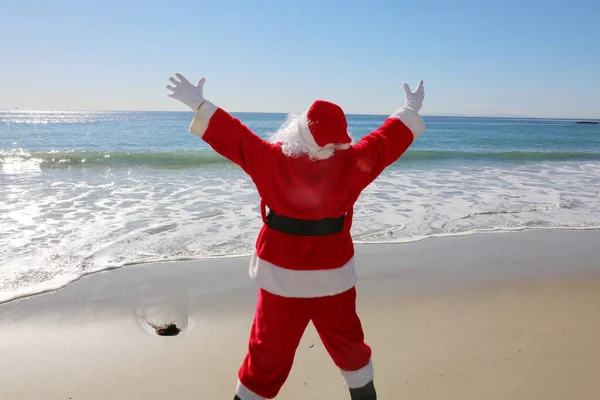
(507, 116)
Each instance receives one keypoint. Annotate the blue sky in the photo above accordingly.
(529, 58)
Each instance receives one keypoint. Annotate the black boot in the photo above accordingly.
(366, 392)
(236, 397)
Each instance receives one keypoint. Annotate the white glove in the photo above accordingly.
(188, 94)
(414, 100)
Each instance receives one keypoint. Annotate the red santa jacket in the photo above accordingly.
(298, 187)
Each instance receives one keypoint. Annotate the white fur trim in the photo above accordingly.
(411, 119)
(304, 284)
(246, 394)
(360, 377)
(202, 118)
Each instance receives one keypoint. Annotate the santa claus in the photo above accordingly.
(308, 175)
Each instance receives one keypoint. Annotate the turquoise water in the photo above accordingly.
(159, 139)
(86, 191)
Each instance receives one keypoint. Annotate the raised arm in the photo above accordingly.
(385, 145)
(224, 133)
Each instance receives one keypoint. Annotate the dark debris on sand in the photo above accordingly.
(169, 329)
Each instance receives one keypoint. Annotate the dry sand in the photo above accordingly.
(491, 316)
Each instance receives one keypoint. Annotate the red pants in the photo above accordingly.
(278, 326)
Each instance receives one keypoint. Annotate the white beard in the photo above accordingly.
(296, 139)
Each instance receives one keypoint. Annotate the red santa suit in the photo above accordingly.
(310, 275)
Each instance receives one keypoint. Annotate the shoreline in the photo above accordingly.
(358, 248)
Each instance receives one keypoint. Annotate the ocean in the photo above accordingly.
(82, 192)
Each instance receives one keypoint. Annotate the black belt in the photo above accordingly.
(303, 227)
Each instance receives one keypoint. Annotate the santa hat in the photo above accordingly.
(327, 123)
(324, 128)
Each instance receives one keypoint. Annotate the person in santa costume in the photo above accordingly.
(308, 175)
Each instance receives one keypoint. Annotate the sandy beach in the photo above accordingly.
(488, 316)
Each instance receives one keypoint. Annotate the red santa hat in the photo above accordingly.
(327, 124)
